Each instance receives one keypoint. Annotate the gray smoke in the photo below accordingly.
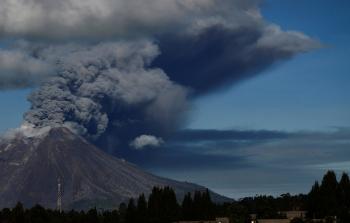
(95, 82)
(103, 19)
(219, 56)
(230, 34)
(114, 70)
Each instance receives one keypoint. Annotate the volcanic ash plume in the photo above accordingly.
(106, 86)
(117, 92)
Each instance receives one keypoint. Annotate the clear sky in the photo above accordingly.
(301, 105)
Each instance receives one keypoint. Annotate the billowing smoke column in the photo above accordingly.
(106, 86)
(121, 72)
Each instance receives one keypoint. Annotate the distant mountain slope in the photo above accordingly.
(30, 167)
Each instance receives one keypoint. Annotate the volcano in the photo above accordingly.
(30, 168)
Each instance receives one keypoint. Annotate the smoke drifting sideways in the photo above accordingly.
(219, 56)
(117, 71)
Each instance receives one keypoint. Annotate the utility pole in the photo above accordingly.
(59, 195)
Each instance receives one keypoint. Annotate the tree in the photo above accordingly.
(331, 198)
(131, 212)
(5, 215)
(344, 190)
(237, 213)
(91, 216)
(171, 206)
(313, 201)
(197, 203)
(122, 212)
(344, 198)
(162, 205)
(110, 217)
(207, 206)
(38, 214)
(141, 215)
(328, 190)
(18, 213)
(154, 205)
(187, 207)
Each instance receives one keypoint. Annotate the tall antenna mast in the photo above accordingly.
(59, 195)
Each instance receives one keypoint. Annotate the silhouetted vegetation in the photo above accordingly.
(161, 207)
(330, 198)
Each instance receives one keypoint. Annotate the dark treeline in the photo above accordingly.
(265, 207)
(330, 198)
(324, 201)
(160, 207)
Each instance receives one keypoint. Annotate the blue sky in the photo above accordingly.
(309, 92)
(13, 105)
(301, 102)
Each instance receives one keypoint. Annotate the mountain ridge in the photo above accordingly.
(30, 167)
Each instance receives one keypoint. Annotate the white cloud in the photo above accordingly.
(146, 141)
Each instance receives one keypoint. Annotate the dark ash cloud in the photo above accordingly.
(114, 70)
(204, 44)
(220, 56)
(106, 86)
